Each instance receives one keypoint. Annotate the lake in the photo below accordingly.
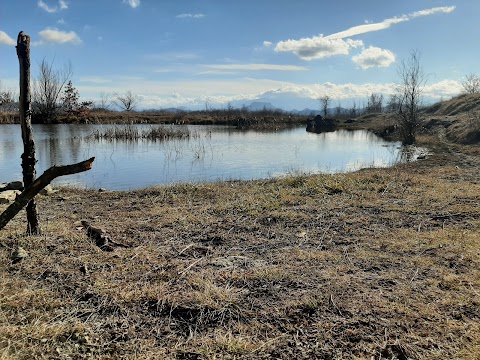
(214, 153)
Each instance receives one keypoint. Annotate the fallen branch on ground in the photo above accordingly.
(40, 183)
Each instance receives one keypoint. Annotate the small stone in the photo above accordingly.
(102, 190)
(301, 234)
(18, 254)
(8, 196)
(14, 185)
(84, 269)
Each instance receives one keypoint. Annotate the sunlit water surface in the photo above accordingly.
(214, 153)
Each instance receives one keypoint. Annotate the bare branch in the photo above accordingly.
(31, 191)
(471, 84)
(410, 90)
(126, 102)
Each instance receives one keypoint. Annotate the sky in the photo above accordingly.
(208, 53)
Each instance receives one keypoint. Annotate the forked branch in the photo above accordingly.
(31, 191)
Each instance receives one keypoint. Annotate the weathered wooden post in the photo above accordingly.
(32, 186)
(28, 156)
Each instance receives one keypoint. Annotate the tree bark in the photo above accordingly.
(28, 156)
(29, 193)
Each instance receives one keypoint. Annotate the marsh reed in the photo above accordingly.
(132, 132)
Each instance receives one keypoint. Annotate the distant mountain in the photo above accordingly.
(261, 105)
(175, 110)
(305, 112)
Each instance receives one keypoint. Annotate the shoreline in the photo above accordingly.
(374, 263)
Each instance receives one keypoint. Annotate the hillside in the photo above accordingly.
(459, 116)
(462, 104)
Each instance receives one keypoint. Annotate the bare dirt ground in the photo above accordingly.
(377, 264)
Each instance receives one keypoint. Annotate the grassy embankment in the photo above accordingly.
(377, 264)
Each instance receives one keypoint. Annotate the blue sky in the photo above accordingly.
(290, 53)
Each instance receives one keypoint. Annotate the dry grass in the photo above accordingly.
(378, 264)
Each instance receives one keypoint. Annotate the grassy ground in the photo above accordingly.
(377, 264)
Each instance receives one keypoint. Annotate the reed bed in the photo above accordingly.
(154, 133)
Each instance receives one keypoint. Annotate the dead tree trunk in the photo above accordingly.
(30, 192)
(28, 156)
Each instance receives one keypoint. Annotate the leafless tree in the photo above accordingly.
(324, 102)
(338, 110)
(412, 83)
(353, 110)
(471, 84)
(229, 111)
(47, 90)
(393, 104)
(126, 102)
(375, 103)
(8, 100)
(104, 102)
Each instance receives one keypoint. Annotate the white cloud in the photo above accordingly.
(62, 5)
(318, 47)
(6, 40)
(374, 57)
(132, 3)
(45, 7)
(443, 89)
(191, 16)
(442, 9)
(366, 28)
(256, 67)
(53, 35)
(267, 43)
(218, 93)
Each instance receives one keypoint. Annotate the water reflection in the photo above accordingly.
(217, 153)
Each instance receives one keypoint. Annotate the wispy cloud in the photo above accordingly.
(62, 5)
(441, 9)
(5, 39)
(190, 16)
(256, 67)
(374, 57)
(95, 80)
(319, 47)
(173, 56)
(385, 24)
(132, 3)
(53, 35)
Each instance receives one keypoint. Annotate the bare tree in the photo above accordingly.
(393, 104)
(375, 103)
(471, 84)
(8, 100)
(338, 110)
(229, 111)
(126, 102)
(324, 102)
(47, 90)
(104, 102)
(353, 110)
(410, 90)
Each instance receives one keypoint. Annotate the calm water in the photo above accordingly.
(218, 153)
